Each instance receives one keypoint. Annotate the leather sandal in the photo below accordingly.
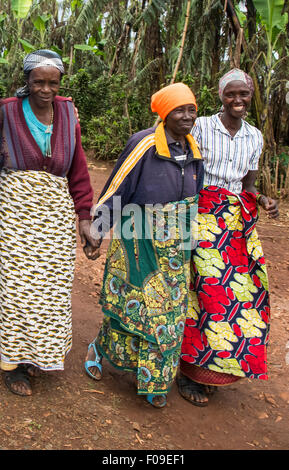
(18, 375)
(188, 389)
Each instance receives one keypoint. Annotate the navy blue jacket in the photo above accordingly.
(146, 173)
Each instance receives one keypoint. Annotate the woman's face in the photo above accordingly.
(180, 120)
(43, 83)
(236, 98)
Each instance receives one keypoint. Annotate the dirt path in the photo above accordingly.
(70, 411)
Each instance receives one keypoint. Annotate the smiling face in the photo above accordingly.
(236, 98)
(43, 83)
(180, 121)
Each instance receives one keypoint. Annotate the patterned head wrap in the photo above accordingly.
(170, 97)
(232, 75)
(40, 58)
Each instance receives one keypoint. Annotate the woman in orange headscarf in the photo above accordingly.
(146, 278)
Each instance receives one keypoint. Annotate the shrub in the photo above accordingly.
(108, 113)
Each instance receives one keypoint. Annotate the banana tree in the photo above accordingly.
(20, 8)
(271, 26)
(16, 24)
(40, 23)
(274, 23)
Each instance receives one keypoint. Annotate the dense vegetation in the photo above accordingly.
(117, 53)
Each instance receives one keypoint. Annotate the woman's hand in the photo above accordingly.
(269, 205)
(75, 109)
(89, 244)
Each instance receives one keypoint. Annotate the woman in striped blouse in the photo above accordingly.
(227, 326)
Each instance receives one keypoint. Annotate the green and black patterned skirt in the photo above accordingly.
(144, 294)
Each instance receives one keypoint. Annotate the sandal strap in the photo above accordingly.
(16, 375)
(188, 387)
(98, 357)
(150, 398)
(93, 363)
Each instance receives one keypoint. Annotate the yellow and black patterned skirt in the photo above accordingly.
(37, 254)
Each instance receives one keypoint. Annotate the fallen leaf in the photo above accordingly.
(93, 391)
(278, 419)
(270, 400)
(136, 427)
(263, 416)
(138, 438)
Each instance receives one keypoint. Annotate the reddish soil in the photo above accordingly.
(68, 410)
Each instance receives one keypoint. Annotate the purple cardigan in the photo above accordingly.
(20, 151)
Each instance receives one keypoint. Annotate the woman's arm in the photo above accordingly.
(268, 204)
(82, 195)
(249, 182)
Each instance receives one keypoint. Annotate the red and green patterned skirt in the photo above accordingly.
(227, 325)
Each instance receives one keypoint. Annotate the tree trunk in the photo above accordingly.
(251, 19)
(119, 48)
(183, 41)
(235, 24)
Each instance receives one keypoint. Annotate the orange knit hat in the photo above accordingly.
(170, 97)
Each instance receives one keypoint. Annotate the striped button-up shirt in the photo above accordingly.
(227, 159)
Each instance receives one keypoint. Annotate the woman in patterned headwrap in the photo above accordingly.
(43, 181)
(144, 293)
(227, 327)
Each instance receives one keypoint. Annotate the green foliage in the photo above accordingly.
(107, 135)
(208, 102)
(21, 7)
(207, 98)
(271, 15)
(108, 115)
(3, 90)
(118, 52)
(283, 161)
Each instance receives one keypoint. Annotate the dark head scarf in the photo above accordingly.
(40, 58)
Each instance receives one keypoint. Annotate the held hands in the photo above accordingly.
(269, 205)
(89, 244)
